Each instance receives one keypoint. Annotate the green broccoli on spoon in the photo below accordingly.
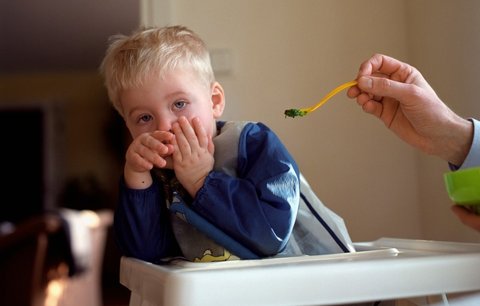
(301, 112)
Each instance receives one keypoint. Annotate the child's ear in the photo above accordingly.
(218, 99)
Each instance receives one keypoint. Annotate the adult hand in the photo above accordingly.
(398, 94)
(468, 217)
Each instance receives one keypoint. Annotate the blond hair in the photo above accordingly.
(130, 60)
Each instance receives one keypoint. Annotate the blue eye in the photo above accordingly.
(144, 118)
(179, 104)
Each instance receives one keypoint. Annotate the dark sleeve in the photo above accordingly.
(142, 225)
(258, 207)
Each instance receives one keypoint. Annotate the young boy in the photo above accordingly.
(234, 181)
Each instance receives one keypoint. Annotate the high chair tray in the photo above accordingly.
(384, 269)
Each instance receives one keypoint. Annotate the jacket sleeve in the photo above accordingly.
(258, 207)
(141, 224)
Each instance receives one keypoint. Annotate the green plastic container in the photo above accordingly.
(463, 187)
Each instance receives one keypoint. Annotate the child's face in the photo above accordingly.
(161, 101)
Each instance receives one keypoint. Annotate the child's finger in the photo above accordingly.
(164, 146)
(185, 136)
(138, 163)
(181, 146)
(189, 132)
(163, 136)
(136, 157)
(200, 132)
(150, 156)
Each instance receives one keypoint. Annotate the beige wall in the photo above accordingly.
(444, 40)
(289, 53)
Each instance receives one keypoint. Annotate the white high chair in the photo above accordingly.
(394, 271)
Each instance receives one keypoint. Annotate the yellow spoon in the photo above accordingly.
(300, 112)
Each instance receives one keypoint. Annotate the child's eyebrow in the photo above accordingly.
(133, 110)
(175, 94)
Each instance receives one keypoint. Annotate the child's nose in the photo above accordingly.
(165, 121)
(164, 125)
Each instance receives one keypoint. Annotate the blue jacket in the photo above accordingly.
(252, 195)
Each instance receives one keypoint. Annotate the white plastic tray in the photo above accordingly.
(384, 269)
